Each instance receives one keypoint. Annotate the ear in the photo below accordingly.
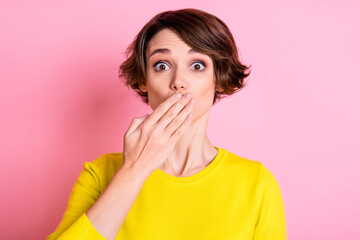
(142, 87)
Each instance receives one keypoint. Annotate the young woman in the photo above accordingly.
(170, 182)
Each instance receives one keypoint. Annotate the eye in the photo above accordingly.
(160, 66)
(198, 66)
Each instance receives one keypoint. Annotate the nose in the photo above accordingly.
(179, 82)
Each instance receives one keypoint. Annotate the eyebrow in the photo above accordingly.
(166, 50)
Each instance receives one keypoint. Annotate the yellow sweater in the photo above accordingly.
(232, 198)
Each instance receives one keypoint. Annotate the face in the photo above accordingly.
(173, 66)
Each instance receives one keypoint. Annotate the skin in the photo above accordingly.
(172, 138)
(177, 70)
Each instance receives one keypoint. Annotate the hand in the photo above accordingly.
(150, 139)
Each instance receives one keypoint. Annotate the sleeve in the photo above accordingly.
(271, 224)
(86, 190)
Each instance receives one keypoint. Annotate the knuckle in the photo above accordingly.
(153, 133)
(126, 135)
(176, 121)
(178, 133)
(136, 120)
(171, 114)
(161, 107)
(127, 131)
(145, 128)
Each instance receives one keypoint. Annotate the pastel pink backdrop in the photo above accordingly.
(62, 104)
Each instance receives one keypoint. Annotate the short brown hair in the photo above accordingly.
(203, 32)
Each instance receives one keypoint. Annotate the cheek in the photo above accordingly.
(154, 100)
(156, 96)
(204, 101)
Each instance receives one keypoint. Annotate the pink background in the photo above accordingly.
(62, 104)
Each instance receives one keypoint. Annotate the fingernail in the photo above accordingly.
(178, 95)
(188, 96)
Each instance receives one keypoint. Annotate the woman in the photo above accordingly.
(170, 182)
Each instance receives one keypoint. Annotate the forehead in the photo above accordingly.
(167, 41)
(165, 37)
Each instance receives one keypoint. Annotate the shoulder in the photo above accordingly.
(248, 168)
(104, 167)
(238, 163)
(108, 160)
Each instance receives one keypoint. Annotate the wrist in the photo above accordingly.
(135, 171)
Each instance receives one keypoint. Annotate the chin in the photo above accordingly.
(200, 112)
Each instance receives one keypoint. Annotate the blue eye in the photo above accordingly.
(199, 66)
(159, 66)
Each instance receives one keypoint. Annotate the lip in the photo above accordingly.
(182, 93)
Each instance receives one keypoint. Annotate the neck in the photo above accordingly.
(192, 153)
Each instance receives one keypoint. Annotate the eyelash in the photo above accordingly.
(198, 61)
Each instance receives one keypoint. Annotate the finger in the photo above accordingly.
(135, 124)
(162, 109)
(173, 112)
(179, 119)
(180, 130)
